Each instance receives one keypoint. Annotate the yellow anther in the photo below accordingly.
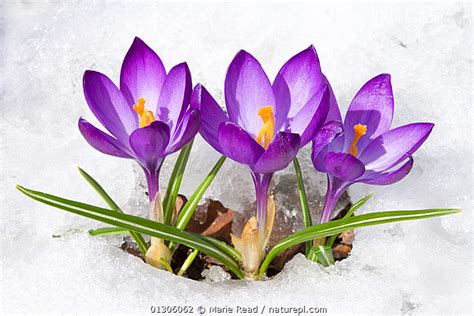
(140, 107)
(146, 116)
(268, 129)
(359, 131)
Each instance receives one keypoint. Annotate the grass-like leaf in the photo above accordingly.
(189, 260)
(106, 231)
(338, 226)
(175, 182)
(166, 265)
(142, 245)
(324, 255)
(349, 213)
(356, 206)
(188, 209)
(224, 247)
(303, 200)
(136, 224)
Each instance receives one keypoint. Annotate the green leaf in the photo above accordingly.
(175, 182)
(349, 213)
(338, 226)
(312, 255)
(105, 231)
(224, 247)
(323, 255)
(111, 203)
(166, 265)
(189, 260)
(357, 205)
(303, 200)
(188, 209)
(137, 224)
(142, 245)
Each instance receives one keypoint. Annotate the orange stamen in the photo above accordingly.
(359, 131)
(146, 116)
(268, 129)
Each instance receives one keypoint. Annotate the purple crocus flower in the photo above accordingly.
(365, 149)
(148, 117)
(266, 124)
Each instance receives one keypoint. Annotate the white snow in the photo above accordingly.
(422, 267)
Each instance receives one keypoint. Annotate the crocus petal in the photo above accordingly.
(391, 177)
(247, 89)
(174, 96)
(187, 129)
(343, 166)
(372, 106)
(335, 145)
(281, 151)
(323, 137)
(311, 117)
(390, 148)
(149, 144)
(101, 141)
(237, 144)
(334, 112)
(212, 115)
(296, 83)
(108, 104)
(142, 74)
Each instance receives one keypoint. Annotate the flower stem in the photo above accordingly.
(262, 183)
(333, 193)
(152, 180)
